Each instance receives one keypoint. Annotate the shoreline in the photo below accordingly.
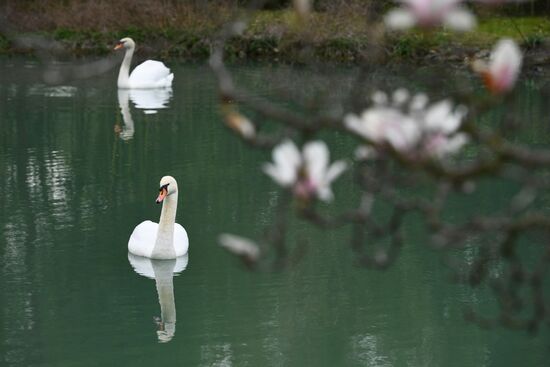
(339, 51)
(273, 36)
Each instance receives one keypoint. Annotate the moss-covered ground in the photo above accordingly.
(188, 32)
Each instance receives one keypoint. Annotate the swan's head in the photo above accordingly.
(126, 43)
(168, 186)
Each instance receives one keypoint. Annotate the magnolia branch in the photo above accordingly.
(410, 159)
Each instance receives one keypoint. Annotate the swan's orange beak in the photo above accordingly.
(162, 194)
(118, 45)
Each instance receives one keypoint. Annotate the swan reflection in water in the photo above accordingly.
(148, 100)
(163, 272)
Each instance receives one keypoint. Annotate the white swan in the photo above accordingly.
(166, 239)
(149, 74)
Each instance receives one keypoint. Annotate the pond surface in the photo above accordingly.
(80, 168)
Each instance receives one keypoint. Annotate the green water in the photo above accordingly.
(76, 179)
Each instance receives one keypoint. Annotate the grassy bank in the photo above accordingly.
(530, 32)
(179, 30)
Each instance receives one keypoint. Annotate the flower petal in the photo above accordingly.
(325, 193)
(316, 156)
(334, 171)
(456, 142)
(505, 65)
(400, 19)
(287, 154)
(440, 146)
(403, 133)
(379, 98)
(287, 159)
(419, 101)
(281, 177)
(400, 96)
(437, 117)
(353, 123)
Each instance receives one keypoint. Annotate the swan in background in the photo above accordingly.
(163, 272)
(166, 239)
(149, 74)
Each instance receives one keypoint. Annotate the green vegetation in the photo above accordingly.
(491, 29)
(183, 30)
(4, 44)
(529, 32)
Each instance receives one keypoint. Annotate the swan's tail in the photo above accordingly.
(168, 80)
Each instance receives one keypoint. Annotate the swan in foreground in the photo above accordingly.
(149, 74)
(165, 239)
(163, 272)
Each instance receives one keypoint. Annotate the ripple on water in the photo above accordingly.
(60, 91)
(58, 177)
(15, 237)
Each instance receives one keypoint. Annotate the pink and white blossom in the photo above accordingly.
(307, 173)
(440, 123)
(429, 14)
(440, 145)
(501, 72)
(385, 124)
(419, 130)
(441, 118)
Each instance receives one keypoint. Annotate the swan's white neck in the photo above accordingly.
(124, 72)
(164, 245)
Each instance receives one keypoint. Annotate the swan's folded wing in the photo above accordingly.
(181, 242)
(151, 73)
(142, 240)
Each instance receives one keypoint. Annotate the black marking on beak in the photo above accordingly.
(164, 187)
(163, 193)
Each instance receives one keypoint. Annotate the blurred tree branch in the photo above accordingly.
(407, 179)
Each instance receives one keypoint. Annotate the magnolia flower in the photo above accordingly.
(440, 117)
(440, 124)
(425, 130)
(440, 145)
(430, 13)
(385, 124)
(501, 73)
(307, 173)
